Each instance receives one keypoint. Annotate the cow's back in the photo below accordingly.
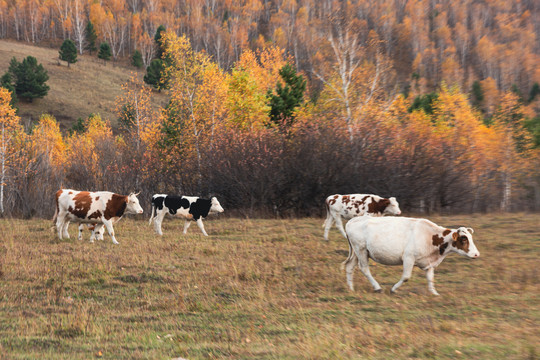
(387, 238)
(351, 205)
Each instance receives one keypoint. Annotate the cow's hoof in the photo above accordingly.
(378, 290)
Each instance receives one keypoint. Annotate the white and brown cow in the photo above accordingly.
(403, 241)
(102, 208)
(191, 208)
(352, 205)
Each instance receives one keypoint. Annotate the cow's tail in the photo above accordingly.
(55, 216)
(351, 254)
(152, 214)
(327, 212)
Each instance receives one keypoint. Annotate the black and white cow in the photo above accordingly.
(188, 207)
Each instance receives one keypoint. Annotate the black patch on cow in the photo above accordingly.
(200, 208)
(157, 202)
(175, 202)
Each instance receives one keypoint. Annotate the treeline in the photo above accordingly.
(425, 41)
(251, 137)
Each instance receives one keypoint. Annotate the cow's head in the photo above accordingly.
(392, 208)
(133, 206)
(215, 206)
(463, 244)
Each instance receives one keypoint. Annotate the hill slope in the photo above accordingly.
(88, 86)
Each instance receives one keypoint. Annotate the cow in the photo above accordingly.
(95, 234)
(188, 207)
(352, 205)
(103, 208)
(403, 241)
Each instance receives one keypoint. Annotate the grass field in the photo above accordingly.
(261, 289)
(86, 87)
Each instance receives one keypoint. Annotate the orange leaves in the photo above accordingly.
(46, 139)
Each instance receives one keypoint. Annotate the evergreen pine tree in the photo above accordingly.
(68, 52)
(287, 97)
(159, 43)
(136, 59)
(29, 78)
(91, 37)
(535, 90)
(477, 93)
(105, 52)
(7, 83)
(153, 73)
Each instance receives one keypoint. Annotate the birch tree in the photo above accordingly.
(10, 129)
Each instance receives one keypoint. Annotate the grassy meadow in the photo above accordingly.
(261, 289)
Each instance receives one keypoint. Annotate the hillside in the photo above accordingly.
(86, 87)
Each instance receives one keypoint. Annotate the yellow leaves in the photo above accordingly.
(46, 139)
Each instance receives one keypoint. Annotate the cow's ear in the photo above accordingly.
(471, 230)
(455, 235)
(137, 194)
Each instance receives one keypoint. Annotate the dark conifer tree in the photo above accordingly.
(68, 52)
(287, 97)
(105, 52)
(91, 37)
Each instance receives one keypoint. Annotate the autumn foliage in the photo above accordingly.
(214, 136)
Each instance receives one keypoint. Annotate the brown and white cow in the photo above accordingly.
(352, 205)
(403, 241)
(103, 208)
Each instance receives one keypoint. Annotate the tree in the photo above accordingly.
(154, 73)
(7, 83)
(159, 42)
(104, 52)
(10, 128)
(68, 52)
(424, 102)
(91, 37)
(535, 90)
(477, 94)
(136, 59)
(29, 78)
(287, 97)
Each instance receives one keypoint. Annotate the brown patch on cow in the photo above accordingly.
(437, 240)
(442, 248)
(364, 198)
(446, 232)
(69, 193)
(58, 193)
(346, 199)
(461, 243)
(82, 204)
(378, 206)
(331, 201)
(95, 215)
(115, 206)
(97, 197)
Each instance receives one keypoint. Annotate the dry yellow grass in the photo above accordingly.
(86, 87)
(264, 289)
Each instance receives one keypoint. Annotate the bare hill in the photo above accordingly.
(88, 86)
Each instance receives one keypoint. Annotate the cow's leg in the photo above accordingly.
(339, 225)
(350, 264)
(100, 230)
(65, 232)
(81, 226)
(408, 264)
(187, 223)
(430, 275)
(328, 224)
(363, 262)
(108, 224)
(157, 221)
(201, 226)
(60, 225)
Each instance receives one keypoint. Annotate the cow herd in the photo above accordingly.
(388, 240)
